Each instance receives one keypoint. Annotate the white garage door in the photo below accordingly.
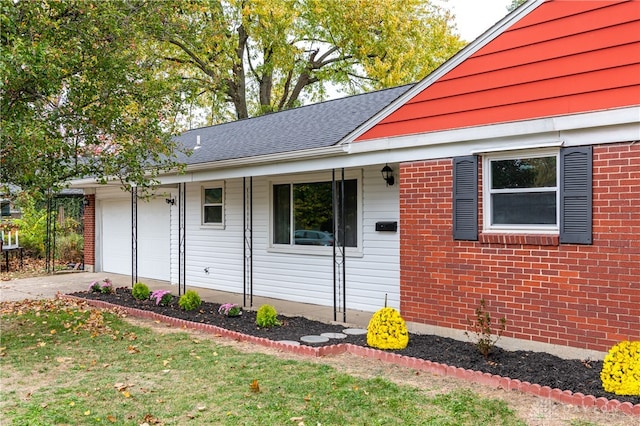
(153, 238)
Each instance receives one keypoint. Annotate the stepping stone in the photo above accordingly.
(354, 331)
(334, 335)
(314, 339)
(289, 342)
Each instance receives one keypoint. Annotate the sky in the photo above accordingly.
(473, 17)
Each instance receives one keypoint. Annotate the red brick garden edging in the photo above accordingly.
(499, 382)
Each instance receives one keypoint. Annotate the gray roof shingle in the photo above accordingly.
(313, 126)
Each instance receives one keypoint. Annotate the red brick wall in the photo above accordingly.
(90, 231)
(582, 296)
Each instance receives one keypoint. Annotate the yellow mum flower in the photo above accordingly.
(621, 369)
(387, 330)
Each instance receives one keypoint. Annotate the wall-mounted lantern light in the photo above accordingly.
(387, 175)
(86, 202)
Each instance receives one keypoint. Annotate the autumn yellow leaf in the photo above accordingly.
(126, 394)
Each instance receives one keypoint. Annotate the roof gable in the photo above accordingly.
(559, 57)
(313, 126)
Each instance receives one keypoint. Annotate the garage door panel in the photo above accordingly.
(153, 238)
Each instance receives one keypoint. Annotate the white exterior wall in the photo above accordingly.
(308, 278)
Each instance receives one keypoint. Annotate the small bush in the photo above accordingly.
(162, 297)
(230, 310)
(104, 287)
(483, 333)
(387, 330)
(190, 300)
(70, 247)
(267, 316)
(621, 369)
(140, 291)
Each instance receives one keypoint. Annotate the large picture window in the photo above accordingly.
(213, 205)
(303, 214)
(522, 192)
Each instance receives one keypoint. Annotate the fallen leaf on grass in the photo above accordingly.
(254, 386)
(112, 419)
(133, 350)
(149, 419)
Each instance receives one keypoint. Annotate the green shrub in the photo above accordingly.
(32, 225)
(70, 247)
(190, 300)
(140, 291)
(267, 316)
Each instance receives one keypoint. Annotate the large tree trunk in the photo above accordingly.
(237, 87)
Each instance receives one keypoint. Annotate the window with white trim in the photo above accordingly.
(213, 205)
(521, 192)
(303, 214)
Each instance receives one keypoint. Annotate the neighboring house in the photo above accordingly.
(517, 181)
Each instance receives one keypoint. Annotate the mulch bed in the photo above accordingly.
(535, 367)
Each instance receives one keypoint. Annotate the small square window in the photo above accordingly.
(521, 192)
(212, 206)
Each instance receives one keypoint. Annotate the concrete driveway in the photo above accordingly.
(46, 287)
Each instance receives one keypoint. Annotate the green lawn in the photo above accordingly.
(61, 364)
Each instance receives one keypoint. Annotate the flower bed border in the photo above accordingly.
(487, 379)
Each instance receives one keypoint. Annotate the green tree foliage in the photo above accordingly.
(515, 4)
(79, 97)
(249, 57)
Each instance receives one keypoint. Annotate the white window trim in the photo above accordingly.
(487, 206)
(311, 178)
(212, 185)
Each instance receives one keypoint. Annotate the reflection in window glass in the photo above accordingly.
(212, 206)
(310, 205)
(524, 173)
(524, 191)
(281, 214)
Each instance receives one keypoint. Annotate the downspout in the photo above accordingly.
(134, 235)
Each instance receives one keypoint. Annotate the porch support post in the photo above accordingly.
(343, 239)
(134, 235)
(339, 253)
(182, 237)
(247, 234)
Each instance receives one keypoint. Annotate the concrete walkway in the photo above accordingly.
(48, 286)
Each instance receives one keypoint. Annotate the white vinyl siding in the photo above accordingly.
(301, 277)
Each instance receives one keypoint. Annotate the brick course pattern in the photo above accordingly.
(582, 296)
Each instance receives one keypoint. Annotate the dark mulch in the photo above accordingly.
(533, 367)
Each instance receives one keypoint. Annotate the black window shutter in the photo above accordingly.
(465, 198)
(576, 195)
